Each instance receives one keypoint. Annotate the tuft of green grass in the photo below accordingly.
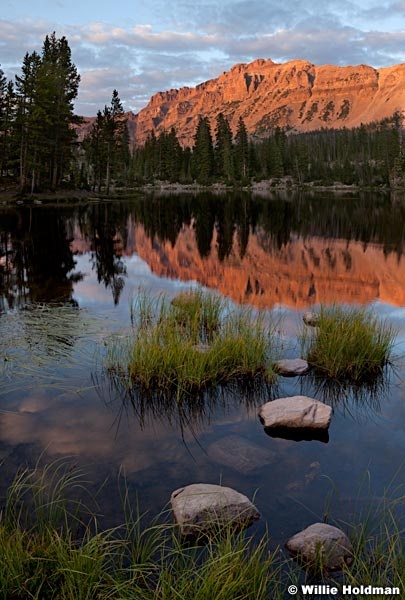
(45, 555)
(193, 343)
(54, 553)
(377, 532)
(349, 344)
(198, 312)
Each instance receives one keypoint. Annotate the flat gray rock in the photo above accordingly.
(290, 367)
(240, 454)
(295, 412)
(202, 507)
(321, 545)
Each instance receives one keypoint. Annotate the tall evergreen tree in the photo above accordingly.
(27, 123)
(94, 149)
(46, 90)
(58, 87)
(7, 115)
(241, 151)
(107, 144)
(223, 148)
(203, 152)
(115, 128)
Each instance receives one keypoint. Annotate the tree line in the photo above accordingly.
(39, 146)
(367, 155)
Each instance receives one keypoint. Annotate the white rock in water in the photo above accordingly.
(321, 545)
(311, 319)
(296, 412)
(291, 366)
(202, 507)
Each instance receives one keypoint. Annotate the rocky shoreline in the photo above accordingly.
(11, 194)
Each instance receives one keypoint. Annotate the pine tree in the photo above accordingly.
(241, 151)
(203, 152)
(224, 149)
(58, 85)
(27, 124)
(107, 144)
(93, 146)
(45, 91)
(116, 138)
(7, 116)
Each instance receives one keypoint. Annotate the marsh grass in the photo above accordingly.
(52, 547)
(348, 344)
(49, 551)
(377, 532)
(193, 343)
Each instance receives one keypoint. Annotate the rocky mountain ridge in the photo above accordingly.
(297, 95)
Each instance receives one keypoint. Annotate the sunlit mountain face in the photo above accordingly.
(296, 95)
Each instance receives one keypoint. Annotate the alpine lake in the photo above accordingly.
(69, 273)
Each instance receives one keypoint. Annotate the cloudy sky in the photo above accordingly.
(141, 47)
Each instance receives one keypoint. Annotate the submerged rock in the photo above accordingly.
(295, 412)
(321, 546)
(201, 508)
(291, 367)
(240, 454)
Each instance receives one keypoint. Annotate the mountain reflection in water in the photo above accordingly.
(291, 251)
(294, 251)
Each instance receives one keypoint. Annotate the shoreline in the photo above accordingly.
(11, 194)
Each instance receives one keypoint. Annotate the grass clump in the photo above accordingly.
(53, 553)
(377, 532)
(52, 548)
(349, 344)
(191, 344)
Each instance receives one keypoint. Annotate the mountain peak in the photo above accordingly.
(297, 95)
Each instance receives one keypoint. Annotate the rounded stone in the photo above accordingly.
(291, 367)
(300, 412)
(321, 546)
(200, 508)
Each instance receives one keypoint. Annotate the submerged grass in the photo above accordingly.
(349, 344)
(41, 342)
(192, 343)
(49, 551)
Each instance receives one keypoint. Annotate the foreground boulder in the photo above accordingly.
(201, 508)
(295, 412)
(291, 367)
(322, 547)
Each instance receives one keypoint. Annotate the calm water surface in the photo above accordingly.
(81, 266)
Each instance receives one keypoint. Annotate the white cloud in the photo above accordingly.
(194, 42)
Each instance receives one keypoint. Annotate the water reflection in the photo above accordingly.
(36, 262)
(190, 413)
(355, 400)
(294, 250)
(298, 434)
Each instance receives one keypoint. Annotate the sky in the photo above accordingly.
(141, 47)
